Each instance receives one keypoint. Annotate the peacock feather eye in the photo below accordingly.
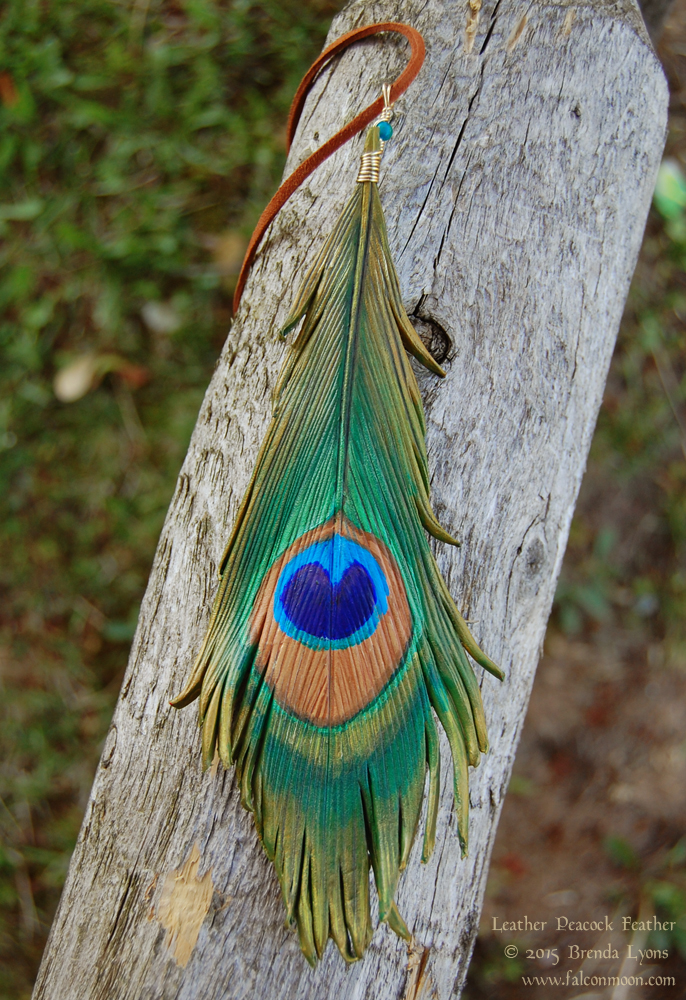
(331, 623)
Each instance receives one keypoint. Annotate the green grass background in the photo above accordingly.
(138, 144)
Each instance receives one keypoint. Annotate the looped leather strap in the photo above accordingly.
(365, 118)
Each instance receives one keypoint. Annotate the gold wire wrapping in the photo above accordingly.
(369, 167)
(370, 162)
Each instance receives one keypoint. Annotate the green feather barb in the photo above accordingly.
(333, 635)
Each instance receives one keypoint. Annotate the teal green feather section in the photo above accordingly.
(333, 638)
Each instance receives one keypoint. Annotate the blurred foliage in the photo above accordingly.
(626, 562)
(138, 143)
(661, 892)
(495, 969)
(621, 853)
(666, 895)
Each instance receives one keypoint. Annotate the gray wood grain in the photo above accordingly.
(516, 189)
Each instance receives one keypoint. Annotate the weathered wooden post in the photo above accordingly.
(516, 191)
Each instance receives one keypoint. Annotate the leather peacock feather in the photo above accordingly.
(333, 639)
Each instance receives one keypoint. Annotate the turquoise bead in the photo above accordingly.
(385, 131)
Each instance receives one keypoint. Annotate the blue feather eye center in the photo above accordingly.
(327, 610)
(332, 594)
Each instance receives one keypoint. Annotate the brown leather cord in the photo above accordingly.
(365, 118)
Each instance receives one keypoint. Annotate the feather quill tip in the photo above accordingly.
(488, 664)
(397, 924)
(188, 695)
